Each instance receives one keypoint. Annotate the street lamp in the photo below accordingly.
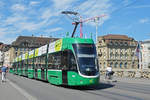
(96, 22)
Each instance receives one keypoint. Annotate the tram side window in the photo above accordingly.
(64, 60)
(38, 62)
(54, 61)
(19, 64)
(22, 64)
(14, 65)
(72, 61)
(50, 57)
(30, 63)
(26, 63)
(43, 61)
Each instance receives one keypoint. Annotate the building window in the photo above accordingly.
(16, 49)
(132, 64)
(121, 65)
(125, 65)
(126, 55)
(100, 65)
(111, 64)
(110, 42)
(116, 43)
(126, 43)
(104, 65)
(111, 55)
(121, 43)
(116, 65)
(116, 55)
(121, 55)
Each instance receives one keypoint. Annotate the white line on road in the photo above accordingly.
(23, 92)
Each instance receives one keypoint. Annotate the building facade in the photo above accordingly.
(145, 51)
(3, 49)
(1, 58)
(117, 51)
(6, 58)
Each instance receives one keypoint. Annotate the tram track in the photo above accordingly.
(112, 95)
(114, 92)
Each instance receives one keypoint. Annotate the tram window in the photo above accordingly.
(30, 63)
(26, 63)
(37, 62)
(50, 59)
(54, 61)
(22, 66)
(64, 60)
(19, 65)
(42, 61)
(72, 61)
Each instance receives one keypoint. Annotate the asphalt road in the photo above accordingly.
(22, 88)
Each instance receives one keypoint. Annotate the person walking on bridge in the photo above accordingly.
(4, 70)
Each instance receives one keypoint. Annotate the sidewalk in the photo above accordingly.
(128, 80)
(8, 92)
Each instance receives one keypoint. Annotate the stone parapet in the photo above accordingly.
(132, 73)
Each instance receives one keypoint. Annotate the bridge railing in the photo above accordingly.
(132, 73)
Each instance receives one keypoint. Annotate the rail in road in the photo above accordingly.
(22, 88)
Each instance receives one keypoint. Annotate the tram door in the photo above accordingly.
(35, 70)
(64, 60)
(22, 65)
(26, 68)
(64, 77)
(43, 67)
(42, 74)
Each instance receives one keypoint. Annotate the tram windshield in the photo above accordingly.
(86, 57)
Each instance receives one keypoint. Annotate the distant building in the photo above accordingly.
(6, 58)
(3, 49)
(145, 50)
(26, 43)
(1, 58)
(118, 51)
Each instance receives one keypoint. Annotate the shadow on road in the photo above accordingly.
(100, 86)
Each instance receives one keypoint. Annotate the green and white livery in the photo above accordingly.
(67, 61)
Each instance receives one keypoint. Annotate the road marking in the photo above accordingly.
(23, 92)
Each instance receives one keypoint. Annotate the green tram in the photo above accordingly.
(68, 61)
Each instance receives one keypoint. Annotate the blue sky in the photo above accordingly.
(43, 17)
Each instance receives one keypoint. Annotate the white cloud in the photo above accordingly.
(53, 30)
(15, 19)
(7, 40)
(47, 14)
(63, 4)
(3, 31)
(18, 7)
(26, 18)
(144, 20)
(33, 3)
(95, 7)
(92, 8)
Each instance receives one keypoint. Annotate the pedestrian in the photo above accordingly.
(109, 72)
(4, 70)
